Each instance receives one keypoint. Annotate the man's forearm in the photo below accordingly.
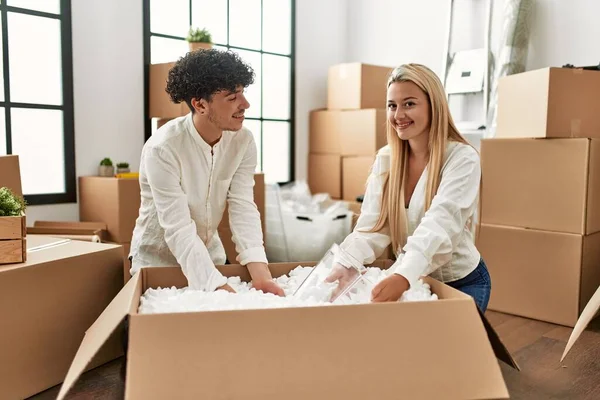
(259, 271)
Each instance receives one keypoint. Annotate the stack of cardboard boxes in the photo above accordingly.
(540, 232)
(345, 137)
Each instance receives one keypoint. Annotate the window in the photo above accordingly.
(262, 33)
(36, 97)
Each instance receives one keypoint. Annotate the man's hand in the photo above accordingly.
(268, 286)
(262, 279)
(226, 287)
(390, 289)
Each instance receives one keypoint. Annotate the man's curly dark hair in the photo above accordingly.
(202, 73)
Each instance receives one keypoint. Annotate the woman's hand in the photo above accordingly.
(390, 289)
(344, 276)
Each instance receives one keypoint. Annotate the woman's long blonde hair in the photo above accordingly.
(442, 130)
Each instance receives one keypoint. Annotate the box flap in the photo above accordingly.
(500, 349)
(100, 331)
(446, 292)
(588, 314)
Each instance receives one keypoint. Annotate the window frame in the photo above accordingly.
(292, 56)
(70, 193)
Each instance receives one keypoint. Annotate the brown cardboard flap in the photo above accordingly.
(447, 292)
(500, 349)
(588, 314)
(106, 324)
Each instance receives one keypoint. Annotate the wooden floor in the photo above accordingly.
(536, 346)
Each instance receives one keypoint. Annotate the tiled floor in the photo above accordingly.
(536, 346)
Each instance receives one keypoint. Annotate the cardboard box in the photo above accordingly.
(177, 356)
(159, 103)
(548, 276)
(355, 173)
(325, 174)
(549, 102)
(325, 132)
(47, 304)
(354, 86)
(349, 133)
(364, 133)
(86, 231)
(551, 184)
(589, 312)
(114, 201)
(225, 231)
(355, 207)
(162, 121)
(10, 174)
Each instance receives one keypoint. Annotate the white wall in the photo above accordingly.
(393, 32)
(321, 29)
(108, 91)
(564, 32)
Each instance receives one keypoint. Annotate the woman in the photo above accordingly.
(421, 196)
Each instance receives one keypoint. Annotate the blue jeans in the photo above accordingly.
(477, 284)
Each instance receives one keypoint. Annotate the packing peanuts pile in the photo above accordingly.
(169, 300)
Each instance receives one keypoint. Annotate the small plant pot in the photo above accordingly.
(123, 170)
(200, 45)
(106, 170)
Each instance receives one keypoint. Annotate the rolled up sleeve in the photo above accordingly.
(244, 217)
(163, 174)
(442, 226)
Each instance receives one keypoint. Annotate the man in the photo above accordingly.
(189, 169)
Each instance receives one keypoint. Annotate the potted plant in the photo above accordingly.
(199, 39)
(106, 167)
(12, 227)
(122, 167)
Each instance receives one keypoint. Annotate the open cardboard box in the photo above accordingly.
(87, 231)
(588, 314)
(46, 306)
(436, 349)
